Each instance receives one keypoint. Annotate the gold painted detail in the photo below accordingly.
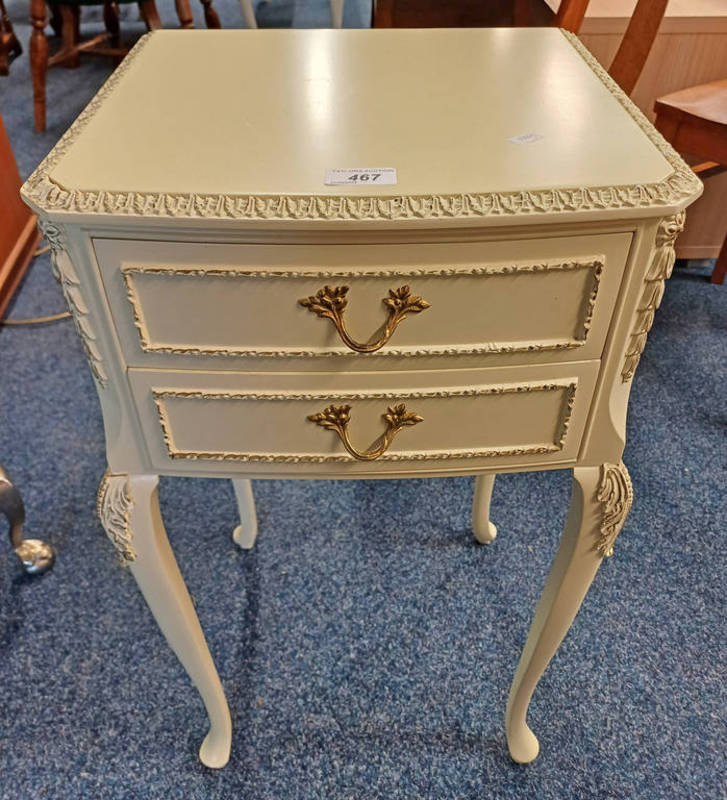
(569, 389)
(660, 269)
(71, 287)
(616, 495)
(43, 191)
(113, 505)
(593, 263)
(336, 418)
(330, 303)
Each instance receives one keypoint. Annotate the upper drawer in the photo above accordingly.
(549, 299)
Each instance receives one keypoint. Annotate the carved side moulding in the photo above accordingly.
(71, 287)
(48, 195)
(568, 389)
(593, 264)
(113, 504)
(660, 268)
(616, 495)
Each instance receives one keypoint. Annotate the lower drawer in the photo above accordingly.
(435, 421)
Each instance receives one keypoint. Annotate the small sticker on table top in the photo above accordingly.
(361, 176)
(525, 138)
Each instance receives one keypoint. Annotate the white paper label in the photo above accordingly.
(525, 138)
(361, 176)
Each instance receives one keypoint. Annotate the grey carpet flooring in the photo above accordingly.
(366, 644)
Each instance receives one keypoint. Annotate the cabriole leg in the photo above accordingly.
(128, 506)
(337, 13)
(600, 501)
(248, 12)
(484, 530)
(245, 533)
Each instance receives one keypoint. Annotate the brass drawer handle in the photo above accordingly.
(336, 418)
(330, 303)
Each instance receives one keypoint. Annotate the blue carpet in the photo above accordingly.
(366, 644)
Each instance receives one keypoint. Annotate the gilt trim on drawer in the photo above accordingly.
(45, 193)
(593, 263)
(569, 389)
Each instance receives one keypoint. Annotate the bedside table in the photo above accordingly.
(515, 213)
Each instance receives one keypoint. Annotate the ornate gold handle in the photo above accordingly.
(336, 418)
(330, 303)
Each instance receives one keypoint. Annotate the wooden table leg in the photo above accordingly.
(38, 60)
(600, 502)
(128, 506)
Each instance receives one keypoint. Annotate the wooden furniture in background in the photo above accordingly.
(66, 18)
(690, 49)
(459, 13)
(18, 230)
(694, 121)
(528, 258)
(9, 45)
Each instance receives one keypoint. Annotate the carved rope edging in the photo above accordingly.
(593, 263)
(159, 395)
(616, 495)
(660, 268)
(51, 196)
(113, 505)
(71, 288)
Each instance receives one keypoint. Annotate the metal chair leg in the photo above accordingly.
(35, 555)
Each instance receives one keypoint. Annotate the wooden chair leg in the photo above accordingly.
(77, 24)
(210, 15)
(720, 268)
(150, 15)
(111, 21)
(184, 12)
(69, 40)
(38, 61)
(55, 20)
(9, 45)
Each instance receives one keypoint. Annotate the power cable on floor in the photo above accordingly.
(36, 320)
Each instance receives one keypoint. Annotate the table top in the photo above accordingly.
(218, 117)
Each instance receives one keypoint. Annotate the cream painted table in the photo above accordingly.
(230, 301)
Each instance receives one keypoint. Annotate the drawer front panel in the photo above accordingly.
(223, 303)
(219, 421)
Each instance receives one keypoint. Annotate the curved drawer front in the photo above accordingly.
(219, 421)
(224, 303)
